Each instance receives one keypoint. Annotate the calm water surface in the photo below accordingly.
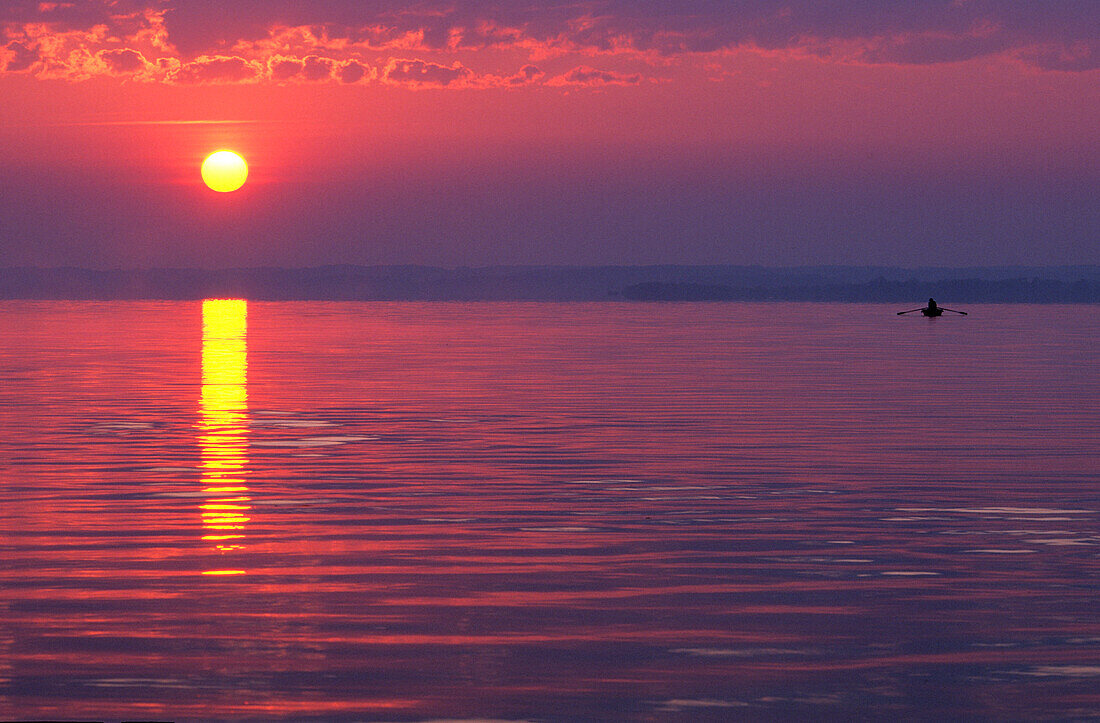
(548, 511)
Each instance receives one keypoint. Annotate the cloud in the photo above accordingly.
(918, 32)
(76, 45)
(527, 74)
(420, 73)
(217, 69)
(347, 37)
(123, 61)
(1078, 57)
(314, 68)
(20, 56)
(308, 39)
(590, 77)
(73, 15)
(352, 71)
(282, 69)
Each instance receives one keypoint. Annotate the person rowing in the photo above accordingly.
(932, 310)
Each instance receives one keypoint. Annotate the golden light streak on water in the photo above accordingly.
(224, 438)
(224, 572)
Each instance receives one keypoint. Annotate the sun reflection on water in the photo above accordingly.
(224, 439)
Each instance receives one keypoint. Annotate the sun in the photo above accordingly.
(224, 171)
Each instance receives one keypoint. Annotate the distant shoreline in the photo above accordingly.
(1009, 284)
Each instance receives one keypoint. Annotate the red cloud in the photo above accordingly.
(198, 41)
(526, 75)
(21, 56)
(217, 69)
(124, 61)
(586, 76)
(317, 68)
(352, 71)
(281, 69)
(420, 73)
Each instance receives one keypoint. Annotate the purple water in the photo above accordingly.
(402, 511)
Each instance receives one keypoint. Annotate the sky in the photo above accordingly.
(484, 132)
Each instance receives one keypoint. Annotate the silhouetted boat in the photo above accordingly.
(932, 310)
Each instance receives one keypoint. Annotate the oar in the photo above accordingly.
(952, 310)
(910, 311)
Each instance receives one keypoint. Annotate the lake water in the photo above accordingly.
(406, 511)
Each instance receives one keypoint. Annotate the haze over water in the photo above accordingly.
(399, 511)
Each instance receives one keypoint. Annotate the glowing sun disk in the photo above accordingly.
(224, 171)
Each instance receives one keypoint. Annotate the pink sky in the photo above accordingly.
(600, 132)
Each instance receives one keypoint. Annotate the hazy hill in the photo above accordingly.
(1062, 284)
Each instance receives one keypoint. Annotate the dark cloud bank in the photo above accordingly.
(1059, 35)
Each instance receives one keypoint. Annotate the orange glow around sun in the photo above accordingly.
(224, 171)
